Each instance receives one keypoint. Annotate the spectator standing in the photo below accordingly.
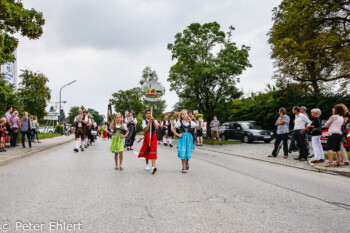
(215, 129)
(26, 126)
(345, 135)
(3, 133)
(282, 124)
(35, 129)
(7, 115)
(316, 134)
(299, 132)
(335, 135)
(16, 124)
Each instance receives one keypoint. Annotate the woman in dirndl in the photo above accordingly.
(185, 144)
(119, 132)
(131, 122)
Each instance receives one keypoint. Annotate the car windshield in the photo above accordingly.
(224, 126)
(250, 125)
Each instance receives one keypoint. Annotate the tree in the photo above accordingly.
(311, 44)
(73, 112)
(128, 100)
(202, 76)
(159, 106)
(34, 92)
(52, 109)
(9, 97)
(13, 19)
(62, 116)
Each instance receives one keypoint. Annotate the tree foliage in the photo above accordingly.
(34, 92)
(16, 19)
(98, 118)
(9, 97)
(311, 42)
(128, 100)
(207, 66)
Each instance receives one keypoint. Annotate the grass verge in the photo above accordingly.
(216, 142)
(335, 156)
(41, 136)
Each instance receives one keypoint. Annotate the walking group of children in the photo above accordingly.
(183, 129)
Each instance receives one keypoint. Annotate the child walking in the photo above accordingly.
(200, 132)
(185, 145)
(119, 132)
(149, 150)
(3, 134)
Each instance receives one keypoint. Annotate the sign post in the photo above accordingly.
(152, 91)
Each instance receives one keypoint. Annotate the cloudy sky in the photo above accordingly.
(105, 44)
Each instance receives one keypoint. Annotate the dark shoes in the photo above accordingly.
(76, 150)
(171, 145)
(165, 144)
(82, 149)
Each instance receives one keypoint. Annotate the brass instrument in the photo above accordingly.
(92, 120)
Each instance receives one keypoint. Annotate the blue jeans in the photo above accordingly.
(28, 133)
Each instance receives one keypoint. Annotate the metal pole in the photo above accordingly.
(150, 130)
(59, 110)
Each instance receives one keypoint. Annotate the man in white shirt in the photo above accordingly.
(300, 132)
(165, 130)
(80, 129)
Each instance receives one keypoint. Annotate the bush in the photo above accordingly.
(139, 119)
(59, 129)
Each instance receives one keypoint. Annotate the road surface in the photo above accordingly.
(220, 193)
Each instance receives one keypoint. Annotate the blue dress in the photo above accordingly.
(185, 145)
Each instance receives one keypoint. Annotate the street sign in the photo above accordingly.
(51, 118)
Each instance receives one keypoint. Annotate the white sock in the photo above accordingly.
(165, 140)
(170, 141)
(85, 142)
(82, 145)
(77, 144)
(89, 141)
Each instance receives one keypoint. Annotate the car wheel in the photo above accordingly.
(267, 141)
(246, 139)
(223, 137)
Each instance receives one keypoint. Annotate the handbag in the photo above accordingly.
(93, 132)
(15, 130)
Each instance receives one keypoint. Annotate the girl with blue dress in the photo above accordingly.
(185, 132)
(119, 132)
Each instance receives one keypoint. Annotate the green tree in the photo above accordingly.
(128, 100)
(62, 116)
(16, 19)
(73, 112)
(34, 92)
(52, 109)
(159, 106)
(310, 43)
(200, 75)
(9, 97)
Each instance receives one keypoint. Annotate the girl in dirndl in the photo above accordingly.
(119, 132)
(185, 144)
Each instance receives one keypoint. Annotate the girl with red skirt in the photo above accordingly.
(149, 150)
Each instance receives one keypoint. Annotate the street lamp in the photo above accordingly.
(59, 111)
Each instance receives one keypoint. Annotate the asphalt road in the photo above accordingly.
(220, 193)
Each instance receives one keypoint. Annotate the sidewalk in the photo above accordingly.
(260, 151)
(19, 153)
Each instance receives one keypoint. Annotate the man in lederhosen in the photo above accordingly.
(80, 129)
(165, 130)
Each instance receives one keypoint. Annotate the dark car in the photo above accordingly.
(246, 131)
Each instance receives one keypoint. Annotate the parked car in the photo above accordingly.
(324, 138)
(46, 129)
(246, 131)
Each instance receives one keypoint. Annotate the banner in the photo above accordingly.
(10, 71)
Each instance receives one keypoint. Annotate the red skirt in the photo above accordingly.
(146, 151)
(104, 134)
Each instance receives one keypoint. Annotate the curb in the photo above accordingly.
(324, 169)
(29, 153)
(312, 169)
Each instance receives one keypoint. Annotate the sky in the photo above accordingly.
(104, 45)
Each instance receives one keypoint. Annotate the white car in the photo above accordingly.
(46, 129)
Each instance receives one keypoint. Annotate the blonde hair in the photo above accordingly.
(25, 116)
(35, 118)
(15, 114)
(182, 111)
(2, 120)
(317, 111)
(114, 120)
